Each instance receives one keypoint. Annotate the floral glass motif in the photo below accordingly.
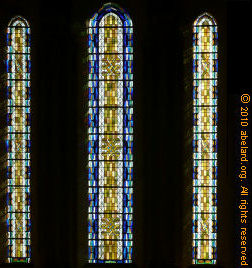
(110, 131)
(18, 141)
(205, 70)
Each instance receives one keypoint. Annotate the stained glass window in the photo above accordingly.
(205, 70)
(18, 141)
(110, 136)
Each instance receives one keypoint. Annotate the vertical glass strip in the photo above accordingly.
(205, 70)
(110, 145)
(18, 141)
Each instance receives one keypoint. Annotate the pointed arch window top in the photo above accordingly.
(110, 20)
(122, 17)
(205, 20)
(205, 37)
(18, 21)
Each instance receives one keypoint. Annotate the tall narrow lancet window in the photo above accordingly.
(205, 70)
(110, 136)
(18, 141)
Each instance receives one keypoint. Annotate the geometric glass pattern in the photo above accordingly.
(18, 141)
(205, 70)
(110, 136)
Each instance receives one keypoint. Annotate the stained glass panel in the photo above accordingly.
(18, 141)
(205, 70)
(110, 145)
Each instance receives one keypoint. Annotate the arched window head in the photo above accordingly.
(110, 129)
(18, 141)
(205, 20)
(205, 70)
(113, 10)
(18, 21)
